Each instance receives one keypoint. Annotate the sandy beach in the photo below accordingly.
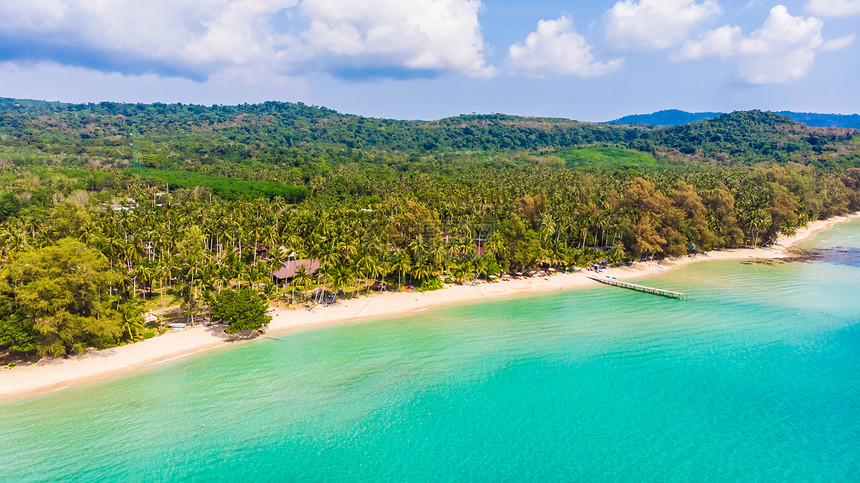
(51, 375)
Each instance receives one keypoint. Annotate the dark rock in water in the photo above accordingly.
(765, 261)
(849, 256)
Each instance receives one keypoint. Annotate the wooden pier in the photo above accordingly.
(639, 288)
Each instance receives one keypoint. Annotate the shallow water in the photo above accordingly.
(755, 379)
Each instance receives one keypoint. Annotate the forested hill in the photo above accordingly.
(272, 131)
(667, 117)
(824, 120)
(675, 117)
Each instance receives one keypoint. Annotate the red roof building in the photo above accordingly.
(291, 267)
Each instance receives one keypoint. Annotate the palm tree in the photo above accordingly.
(485, 266)
(378, 268)
(237, 268)
(301, 279)
(147, 275)
(270, 291)
(159, 273)
(422, 270)
(402, 263)
(760, 221)
(366, 266)
(223, 275)
(439, 258)
(277, 257)
(131, 320)
(341, 277)
(462, 271)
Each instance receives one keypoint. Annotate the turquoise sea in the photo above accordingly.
(757, 379)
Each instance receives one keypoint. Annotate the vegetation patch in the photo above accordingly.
(227, 188)
(608, 157)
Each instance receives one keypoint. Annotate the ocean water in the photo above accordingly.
(756, 379)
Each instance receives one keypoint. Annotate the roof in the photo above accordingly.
(291, 267)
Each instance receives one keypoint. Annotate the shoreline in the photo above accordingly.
(50, 375)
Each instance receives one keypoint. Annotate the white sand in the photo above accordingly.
(57, 374)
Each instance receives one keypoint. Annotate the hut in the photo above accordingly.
(289, 269)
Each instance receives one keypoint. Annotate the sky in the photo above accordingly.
(428, 59)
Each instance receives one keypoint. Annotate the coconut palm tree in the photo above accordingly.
(422, 270)
(300, 280)
(131, 320)
(341, 277)
(402, 263)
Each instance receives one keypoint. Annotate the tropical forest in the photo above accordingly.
(109, 211)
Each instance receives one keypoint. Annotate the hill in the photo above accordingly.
(179, 136)
(675, 117)
(668, 117)
(824, 120)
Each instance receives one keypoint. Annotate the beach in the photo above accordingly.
(56, 374)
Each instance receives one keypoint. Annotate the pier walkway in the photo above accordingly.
(639, 288)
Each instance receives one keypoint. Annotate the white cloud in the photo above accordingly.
(781, 51)
(230, 86)
(721, 42)
(197, 38)
(555, 48)
(165, 35)
(240, 33)
(837, 44)
(833, 8)
(782, 33)
(656, 24)
(431, 35)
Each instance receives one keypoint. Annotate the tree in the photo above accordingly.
(301, 279)
(783, 212)
(402, 263)
(131, 320)
(721, 211)
(68, 220)
(9, 206)
(241, 309)
(191, 252)
(694, 224)
(647, 238)
(63, 289)
(18, 334)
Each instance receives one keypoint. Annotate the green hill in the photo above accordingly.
(668, 117)
(174, 135)
(675, 117)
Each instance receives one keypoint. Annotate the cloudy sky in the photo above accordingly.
(426, 59)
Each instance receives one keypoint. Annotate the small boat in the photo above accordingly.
(177, 325)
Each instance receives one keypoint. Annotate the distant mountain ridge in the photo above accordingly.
(675, 117)
(667, 117)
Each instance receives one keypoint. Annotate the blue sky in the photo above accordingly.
(427, 59)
